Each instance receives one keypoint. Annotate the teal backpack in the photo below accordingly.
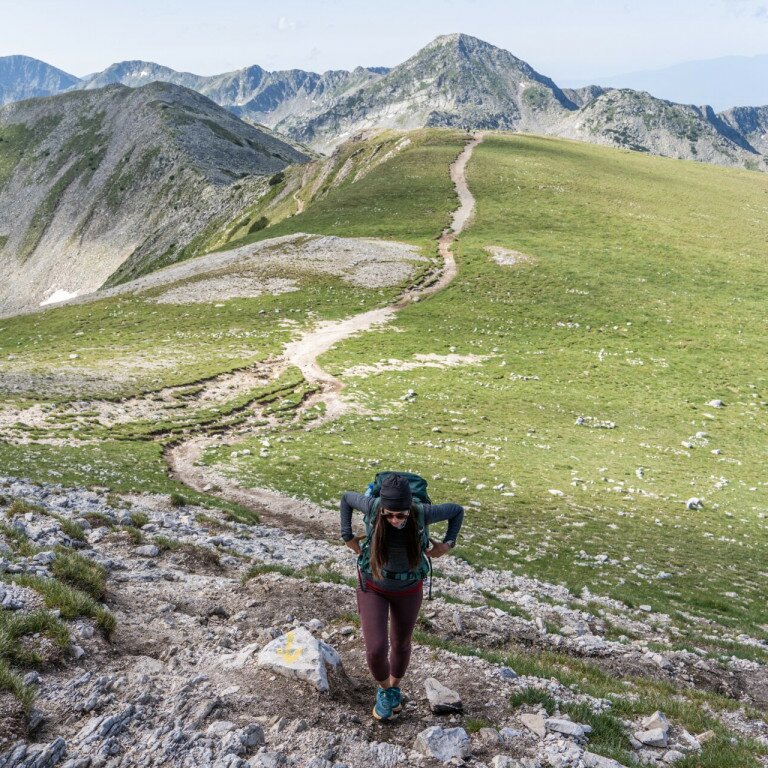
(420, 497)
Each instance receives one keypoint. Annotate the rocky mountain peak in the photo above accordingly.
(115, 178)
(22, 77)
(135, 73)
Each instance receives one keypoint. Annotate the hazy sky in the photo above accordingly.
(564, 40)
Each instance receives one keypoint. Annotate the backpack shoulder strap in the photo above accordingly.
(370, 517)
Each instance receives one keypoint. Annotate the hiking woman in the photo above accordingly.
(390, 577)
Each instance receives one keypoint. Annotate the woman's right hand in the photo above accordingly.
(354, 545)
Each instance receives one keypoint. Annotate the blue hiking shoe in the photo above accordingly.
(395, 699)
(382, 709)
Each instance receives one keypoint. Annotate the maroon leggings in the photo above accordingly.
(388, 655)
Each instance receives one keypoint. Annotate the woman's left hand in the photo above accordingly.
(438, 549)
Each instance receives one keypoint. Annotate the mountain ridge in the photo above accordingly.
(23, 77)
(118, 178)
(723, 82)
(457, 80)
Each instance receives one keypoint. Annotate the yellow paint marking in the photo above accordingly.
(290, 654)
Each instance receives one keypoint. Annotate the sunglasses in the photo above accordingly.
(395, 515)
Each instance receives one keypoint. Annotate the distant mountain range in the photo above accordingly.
(723, 83)
(22, 77)
(458, 81)
(115, 182)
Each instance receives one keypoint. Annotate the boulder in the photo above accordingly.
(656, 720)
(442, 700)
(507, 673)
(147, 550)
(656, 737)
(567, 727)
(300, 655)
(252, 735)
(443, 743)
(535, 724)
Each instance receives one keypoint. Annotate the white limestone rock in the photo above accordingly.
(300, 655)
(443, 743)
(442, 700)
(655, 737)
(535, 724)
(656, 720)
(567, 727)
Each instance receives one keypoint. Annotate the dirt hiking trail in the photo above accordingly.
(184, 457)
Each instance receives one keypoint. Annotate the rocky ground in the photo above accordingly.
(178, 681)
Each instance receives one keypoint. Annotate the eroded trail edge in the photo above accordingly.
(183, 458)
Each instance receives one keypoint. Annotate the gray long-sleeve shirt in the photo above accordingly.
(397, 556)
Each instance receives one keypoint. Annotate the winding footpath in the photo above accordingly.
(184, 457)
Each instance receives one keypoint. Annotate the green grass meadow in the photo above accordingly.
(641, 302)
(638, 303)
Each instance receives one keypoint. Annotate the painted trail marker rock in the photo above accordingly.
(300, 655)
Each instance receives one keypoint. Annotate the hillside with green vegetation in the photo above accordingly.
(127, 345)
(636, 302)
(639, 302)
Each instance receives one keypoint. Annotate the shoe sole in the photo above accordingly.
(384, 719)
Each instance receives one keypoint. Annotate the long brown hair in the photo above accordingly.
(379, 552)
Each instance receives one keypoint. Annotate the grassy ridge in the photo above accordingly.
(128, 345)
(642, 302)
(408, 198)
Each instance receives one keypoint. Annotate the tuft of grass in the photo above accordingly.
(177, 500)
(474, 724)
(71, 602)
(139, 519)
(19, 542)
(98, 520)
(316, 573)
(608, 732)
(20, 507)
(261, 568)
(80, 572)
(70, 528)
(532, 697)
(166, 544)
(12, 682)
(134, 534)
(15, 628)
(211, 522)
